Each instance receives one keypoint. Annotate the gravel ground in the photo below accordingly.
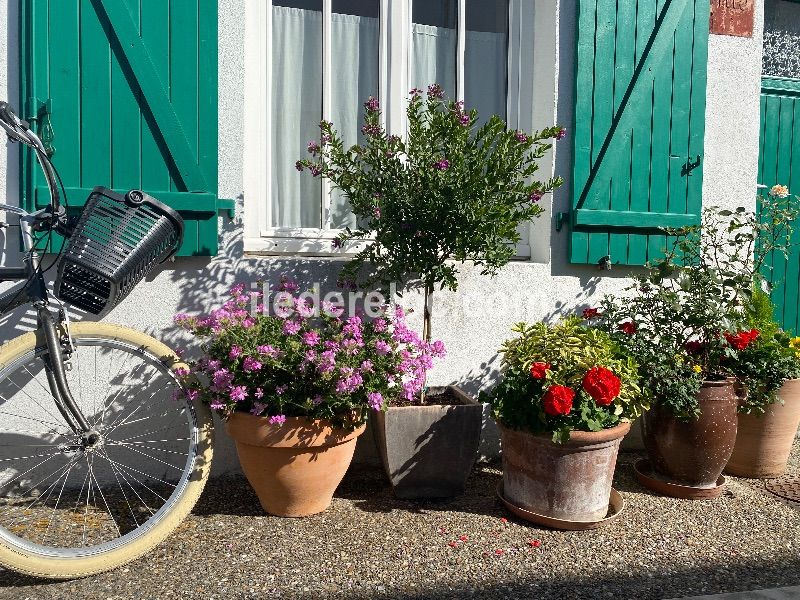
(369, 545)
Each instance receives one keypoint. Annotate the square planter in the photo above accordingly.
(429, 451)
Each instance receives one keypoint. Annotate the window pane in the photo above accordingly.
(433, 44)
(485, 57)
(355, 29)
(296, 110)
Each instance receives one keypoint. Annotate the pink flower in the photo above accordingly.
(372, 104)
(311, 338)
(267, 350)
(375, 400)
(222, 379)
(438, 350)
(442, 165)
(366, 366)
(217, 404)
(238, 393)
(379, 325)
(382, 347)
(291, 327)
(288, 285)
(235, 352)
(304, 307)
(277, 420)
(521, 137)
(535, 196)
(259, 393)
(251, 364)
(258, 409)
(562, 133)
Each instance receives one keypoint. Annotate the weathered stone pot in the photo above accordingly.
(569, 481)
(294, 468)
(694, 453)
(763, 442)
(429, 451)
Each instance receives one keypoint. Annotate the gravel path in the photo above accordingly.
(369, 545)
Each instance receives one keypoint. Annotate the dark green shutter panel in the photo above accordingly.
(126, 93)
(639, 125)
(779, 162)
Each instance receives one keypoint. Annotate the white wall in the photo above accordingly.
(474, 321)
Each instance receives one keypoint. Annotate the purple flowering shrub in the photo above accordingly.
(304, 361)
(450, 191)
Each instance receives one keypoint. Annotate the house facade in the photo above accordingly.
(208, 106)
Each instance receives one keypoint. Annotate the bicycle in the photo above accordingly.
(98, 461)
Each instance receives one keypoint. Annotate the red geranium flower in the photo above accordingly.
(741, 339)
(602, 385)
(539, 370)
(557, 400)
(628, 327)
(590, 313)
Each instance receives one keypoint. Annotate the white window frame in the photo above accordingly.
(532, 81)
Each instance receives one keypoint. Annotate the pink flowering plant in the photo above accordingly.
(303, 361)
(448, 192)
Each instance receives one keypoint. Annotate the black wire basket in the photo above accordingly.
(116, 243)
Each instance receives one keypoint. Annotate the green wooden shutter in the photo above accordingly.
(126, 93)
(779, 162)
(639, 125)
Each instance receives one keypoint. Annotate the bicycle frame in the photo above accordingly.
(34, 290)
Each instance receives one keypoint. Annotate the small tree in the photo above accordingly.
(450, 191)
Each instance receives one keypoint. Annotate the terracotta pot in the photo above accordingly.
(570, 481)
(694, 453)
(763, 442)
(429, 451)
(294, 468)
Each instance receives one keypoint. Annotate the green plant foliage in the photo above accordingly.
(694, 315)
(764, 365)
(570, 349)
(448, 193)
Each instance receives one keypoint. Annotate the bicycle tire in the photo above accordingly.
(21, 558)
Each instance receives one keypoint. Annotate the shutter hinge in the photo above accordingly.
(691, 166)
(227, 205)
(38, 112)
(561, 218)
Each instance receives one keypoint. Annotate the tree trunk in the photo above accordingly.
(427, 313)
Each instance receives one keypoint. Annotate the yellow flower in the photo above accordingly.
(697, 369)
(794, 342)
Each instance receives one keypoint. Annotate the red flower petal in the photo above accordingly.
(463, 538)
(499, 552)
(452, 544)
(534, 543)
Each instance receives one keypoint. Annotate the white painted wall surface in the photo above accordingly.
(475, 320)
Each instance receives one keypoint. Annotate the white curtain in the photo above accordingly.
(297, 105)
(296, 113)
(433, 57)
(485, 66)
(354, 63)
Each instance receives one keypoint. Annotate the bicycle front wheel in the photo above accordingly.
(71, 509)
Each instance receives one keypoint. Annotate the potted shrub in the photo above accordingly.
(295, 388)
(563, 405)
(684, 320)
(769, 409)
(448, 193)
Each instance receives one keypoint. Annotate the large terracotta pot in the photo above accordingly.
(763, 442)
(429, 451)
(294, 468)
(569, 481)
(694, 453)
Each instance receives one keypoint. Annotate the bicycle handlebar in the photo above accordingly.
(19, 130)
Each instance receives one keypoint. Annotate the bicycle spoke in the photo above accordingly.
(156, 448)
(152, 457)
(55, 508)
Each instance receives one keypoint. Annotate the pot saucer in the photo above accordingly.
(615, 507)
(647, 477)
